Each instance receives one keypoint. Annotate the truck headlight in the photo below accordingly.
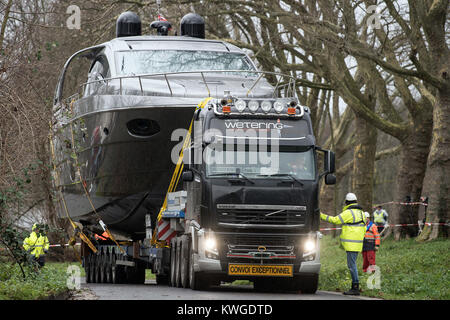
(211, 250)
(210, 244)
(309, 246)
(309, 249)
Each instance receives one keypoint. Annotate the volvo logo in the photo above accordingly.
(262, 249)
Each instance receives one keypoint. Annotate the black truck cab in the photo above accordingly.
(252, 182)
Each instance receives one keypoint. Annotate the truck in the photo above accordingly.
(235, 197)
(249, 206)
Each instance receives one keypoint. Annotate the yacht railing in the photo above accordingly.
(285, 83)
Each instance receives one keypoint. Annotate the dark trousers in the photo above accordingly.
(40, 261)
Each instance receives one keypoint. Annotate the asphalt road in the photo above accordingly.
(151, 291)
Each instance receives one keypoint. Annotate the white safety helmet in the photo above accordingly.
(367, 215)
(350, 197)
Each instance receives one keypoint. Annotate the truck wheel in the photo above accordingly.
(178, 264)
(308, 284)
(173, 256)
(184, 263)
(196, 281)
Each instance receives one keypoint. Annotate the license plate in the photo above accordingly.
(236, 269)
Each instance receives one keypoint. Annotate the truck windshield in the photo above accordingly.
(165, 61)
(256, 164)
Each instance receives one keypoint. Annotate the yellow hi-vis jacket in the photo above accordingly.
(36, 243)
(353, 223)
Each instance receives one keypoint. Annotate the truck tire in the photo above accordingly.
(173, 256)
(184, 261)
(196, 281)
(307, 284)
(178, 264)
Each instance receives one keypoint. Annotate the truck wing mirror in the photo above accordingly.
(330, 179)
(329, 164)
(188, 176)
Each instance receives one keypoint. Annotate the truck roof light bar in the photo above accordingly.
(226, 110)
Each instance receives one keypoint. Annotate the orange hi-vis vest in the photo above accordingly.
(372, 237)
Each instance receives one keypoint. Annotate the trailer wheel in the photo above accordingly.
(178, 264)
(108, 269)
(184, 263)
(87, 268)
(92, 269)
(117, 272)
(173, 246)
(102, 268)
(98, 275)
(196, 281)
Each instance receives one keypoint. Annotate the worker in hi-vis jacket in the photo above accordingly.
(353, 224)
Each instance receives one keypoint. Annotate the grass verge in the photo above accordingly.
(408, 270)
(51, 280)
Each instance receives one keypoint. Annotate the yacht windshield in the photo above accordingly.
(165, 61)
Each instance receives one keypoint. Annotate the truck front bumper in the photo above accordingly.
(213, 265)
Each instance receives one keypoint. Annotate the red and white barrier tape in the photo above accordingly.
(399, 225)
(53, 245)
(65, 245)
(402, 203)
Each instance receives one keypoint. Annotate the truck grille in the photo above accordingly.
(258, 247)
(261, 216)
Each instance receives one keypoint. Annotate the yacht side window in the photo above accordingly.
(99, 71)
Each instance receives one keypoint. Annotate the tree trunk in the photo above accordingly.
(438, 168)
(364, 162)
(410, 177)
